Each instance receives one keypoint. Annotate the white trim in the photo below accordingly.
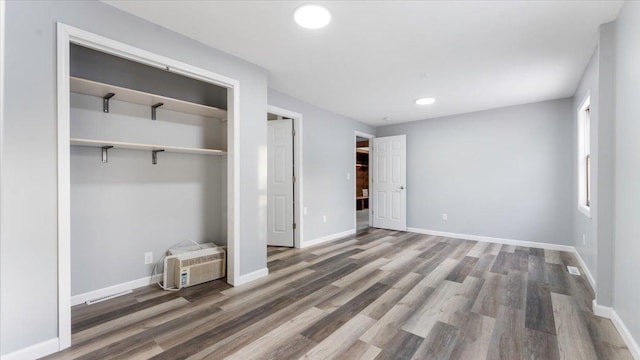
(601, 310)
(586, 102)
(283, 112)
(34, 351)
(233, 184)
(114, 289)
(255, 275)
(592, 280)
(298, 173)
(533, 244)
(355, 160)
(64, 189)
(612, 314)
(495, 240)
(2, 61)
(585, 210)
(628, 339)
(67, 34)
(327, 238)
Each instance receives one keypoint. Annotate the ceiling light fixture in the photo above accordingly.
(312, 16)
(425, 101)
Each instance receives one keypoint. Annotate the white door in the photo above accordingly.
(389, 182)
(280, 185)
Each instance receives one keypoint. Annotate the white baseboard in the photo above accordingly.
(626, 334)
(34, 351)
(592, 280)
(610, 313)
(115, 289)
(533, 244)
(494, 240)
(324, 239)
(255, 275)
(601, 310)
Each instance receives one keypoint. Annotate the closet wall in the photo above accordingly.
(128, 206)
(28, 303)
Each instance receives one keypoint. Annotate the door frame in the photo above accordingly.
(68, 34)
(357, 134)
(298, 233)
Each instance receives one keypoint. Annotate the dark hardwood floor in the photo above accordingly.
(378, 295)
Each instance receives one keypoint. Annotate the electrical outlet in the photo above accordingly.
(348, 176)
(148, 258)
(304, 210)
(324, 218)
(445, 217)
(584, 240)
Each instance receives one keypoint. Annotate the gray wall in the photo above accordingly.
(97, 66)
(597, 247)
(502, 173)
(328, 156)
(126, 207)
(605, 163)
(28, 309)
(583, 225)
(627, 164)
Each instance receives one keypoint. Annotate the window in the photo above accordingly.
(584, 157)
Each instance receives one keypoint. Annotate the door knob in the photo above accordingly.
(401, 187)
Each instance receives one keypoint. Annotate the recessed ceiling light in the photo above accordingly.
(425, 101)
(312, 16)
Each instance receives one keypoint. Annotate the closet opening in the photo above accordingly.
(146, 149)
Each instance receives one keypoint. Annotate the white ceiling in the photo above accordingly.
(375, 58)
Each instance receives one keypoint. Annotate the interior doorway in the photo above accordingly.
(284, 178)
(280, 181)
(362, 180)
(388, 180)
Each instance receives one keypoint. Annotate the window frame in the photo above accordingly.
(585, 189)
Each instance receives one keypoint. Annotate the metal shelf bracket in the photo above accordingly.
(105, 155)
(154, 156)
(153, 110)
(105, 102)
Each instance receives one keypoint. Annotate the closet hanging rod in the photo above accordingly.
(153, 110)
(105, 101)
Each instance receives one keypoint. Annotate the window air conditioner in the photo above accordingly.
(193, 265)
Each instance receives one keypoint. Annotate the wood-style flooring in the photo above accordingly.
(375, 295)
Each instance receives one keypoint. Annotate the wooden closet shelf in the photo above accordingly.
(138, 146)
(99, 89)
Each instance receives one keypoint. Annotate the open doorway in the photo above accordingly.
(362, 181)
(280, 181)
(284, 179)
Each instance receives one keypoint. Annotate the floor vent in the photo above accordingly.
(573, 270)
(108, 297)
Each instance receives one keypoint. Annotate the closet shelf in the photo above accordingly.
(99, 89)
(138, 146)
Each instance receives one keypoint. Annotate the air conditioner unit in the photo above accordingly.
(187, 266)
